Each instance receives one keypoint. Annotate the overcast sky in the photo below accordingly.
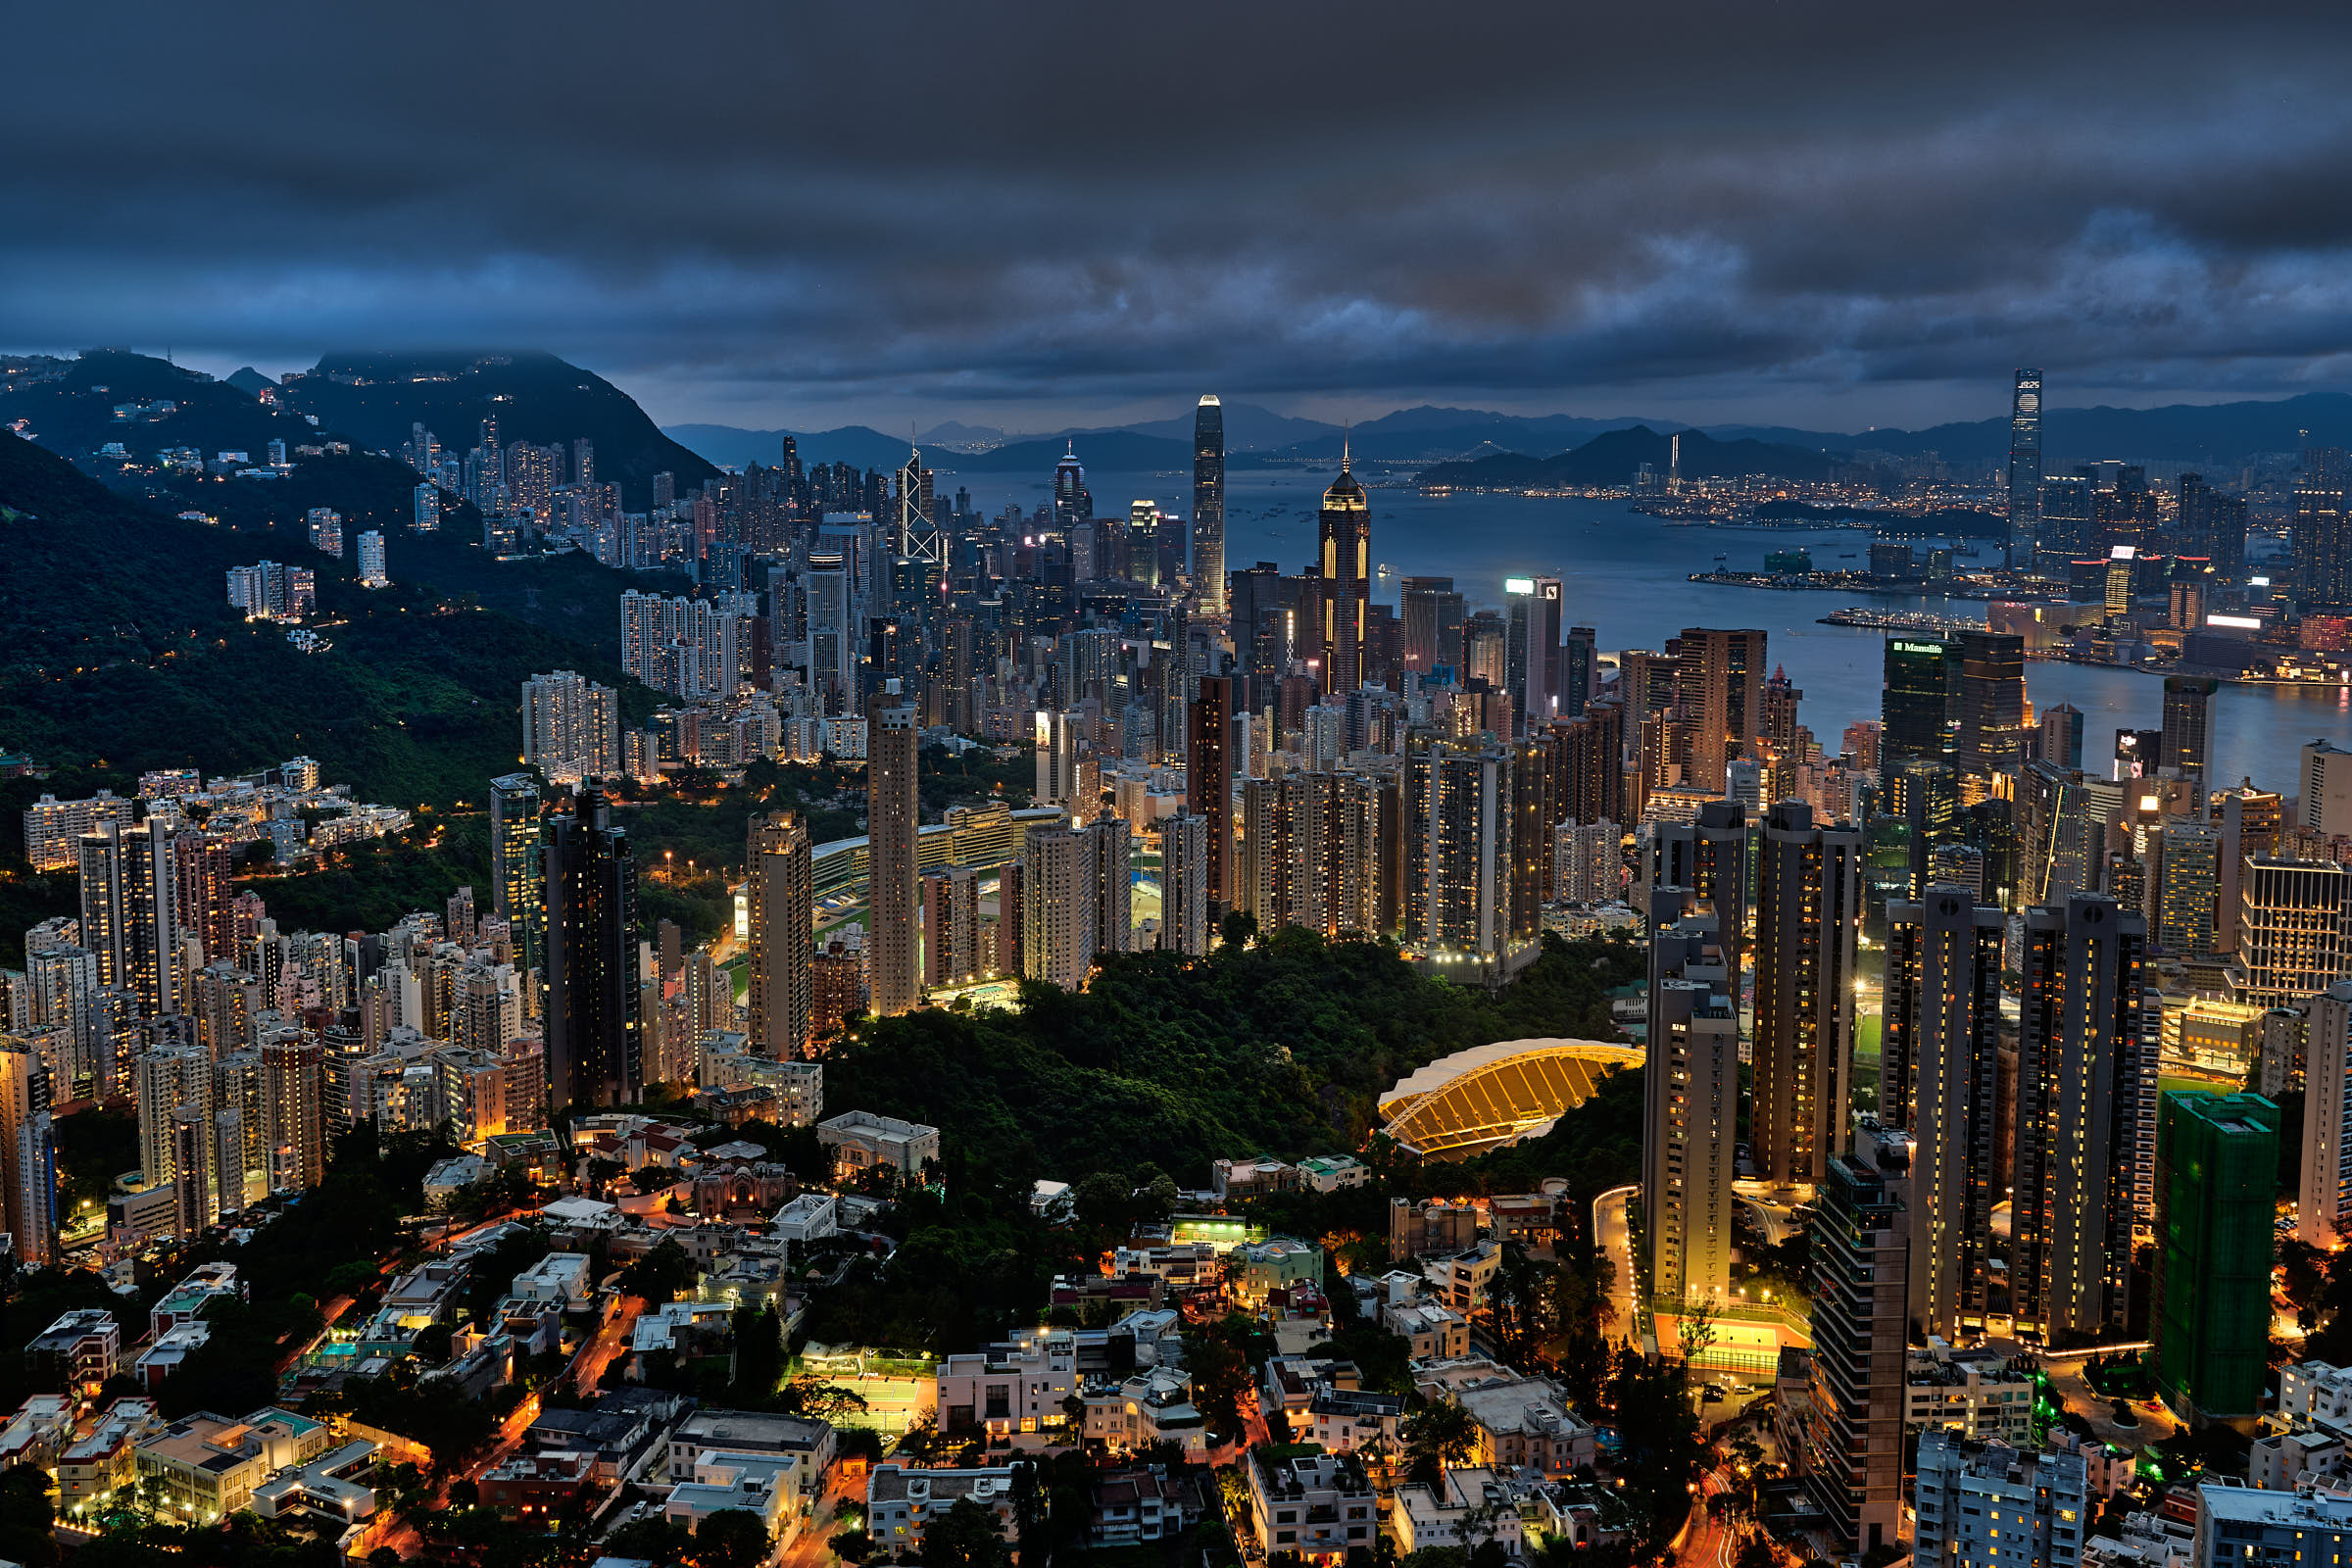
(1039, 215)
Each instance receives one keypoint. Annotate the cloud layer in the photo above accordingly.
(1040, 213)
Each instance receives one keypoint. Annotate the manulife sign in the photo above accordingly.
(1919, 648)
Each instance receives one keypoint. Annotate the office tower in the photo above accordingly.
(2326, 788)
(2189, 702)
(293, 1084)
(829, 653)
(128, 911)
(1992, 702)
(1074, 515)
(1457, 846)
(1690, 1105)
(516, 873)
(2250, 821)
(570, 727)
(1808, 914)
(780, 890)
(27, 1157)
(2323, 1213)
(1719, 683)
(2291, 929)
(2209, 1309)
(1532, 667)
(372, 560)
(2188, 879)
(2086, 1104)
(1343, 529)
(1185, 925)
(952, 953)
(2025, 469)
(893, 814)
(1939, 1078)
(1852, 1429)
(2065, 819)
(1580, 663)
(2212, 526)
(1986, 1502)
(1432, 614)
(2321, 532)
(1208, 784)
(1918, 700)
(918, 535)
(1208, 507)
(1059, 921)
(594, 1044)
(1709, 856)
(2062, 736)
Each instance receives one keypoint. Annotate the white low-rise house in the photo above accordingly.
(758, 1484)
(1254, 1177)
(1470, 1507)
(1350, 1420)
(163, 1358)
(899, 1502)
(1989, 1503)
(1141, 1411)
(861, 1140)
(1328, 1173)
(672, 1325)
(557, 1277)
(2314, 1390)
(1523, 1422)
(1435, 1331)
(324, 1485)
(808, 1217)
(1975, 1394)
(1318, 1506)
(41, 1428)
(1014, 1387)
(2280, 1461)
(453, 1176)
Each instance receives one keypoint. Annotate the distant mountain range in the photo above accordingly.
(2222, 434)
(1612, 458)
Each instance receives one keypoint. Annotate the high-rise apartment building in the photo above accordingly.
(1691, 1094)
(570, 727)
(517, 877)
(1939, 1079)
(1208, 784)
(1343, 532)
(2025, 469)
(2084, 1119)
(1809, 916)
(1185, 925)
(2209, 1310)
(1719, 684)
(2324, 1210)
(594, 1040)
(1709, 856)
(953, 953)
(293, 1082)
(893, 817)
(1060, 874)
(1457, 851)
(1114, 883)
(1986, 1502)
(53, 828)
(27, 1159)
(372, 560)
(1851, 1430)
(128, 911)
(1208, 507)
(2188, 880)
(780, 891)
(2326, 788)
(2189, 702)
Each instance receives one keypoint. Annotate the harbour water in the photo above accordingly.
(1625, 575)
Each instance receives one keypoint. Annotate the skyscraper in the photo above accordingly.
(1208, 785)
(2209, 1308)
(2323, 1212)
(2292, 928)
(28, 1150)
(1457, 845)
(893, 814)
(2326, 802)
(1691, 1094)
(1185, 925)
(1719, 683)
(1208, 507)
(1344, 528)
(1533, 658)
(1709, 856)
(594, 1044)
(918, 536)
(953, 952)
(2062, 736)
(780, 889)
(1808, 914)
(2025, 467)
(2189, 702)
(570, 727)
(2086, 1107)
(1114, 882)
(128, 909)
(1918, 699)
(515, 871)
(1059, 917)
(1852, 1427)
(2188, 879)
(1992, 702)
(1939, 1073)
(1432, 614)
(294, 1108)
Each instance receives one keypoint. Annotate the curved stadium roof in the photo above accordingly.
(1490, 1095)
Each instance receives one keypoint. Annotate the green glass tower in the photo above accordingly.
(2217, 1164)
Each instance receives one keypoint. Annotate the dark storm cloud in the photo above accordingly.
(1055, 205)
